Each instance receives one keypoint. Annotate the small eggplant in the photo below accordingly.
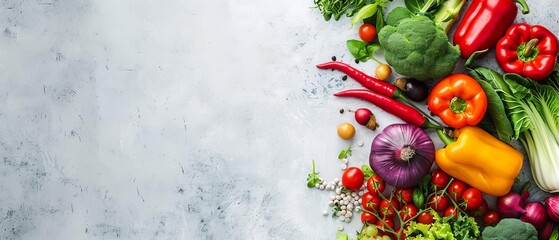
(414, 89)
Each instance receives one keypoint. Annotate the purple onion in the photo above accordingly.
(552, 204)
(535, 214)
(510, 205)
(402, 154)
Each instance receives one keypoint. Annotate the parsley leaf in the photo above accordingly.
(336, 209)
(367, 171)
(313, 179)
(344, 153)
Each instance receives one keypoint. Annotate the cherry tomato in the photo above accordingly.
(383, 71)
(402, 234)
(481, 211)
(425, 218)
(438, 202)
(376, 184)
(408, 211)
(440, 179)
(353, 178)
(367, 217)
(346, 131)
(491, 218)
(473, 198)
(367, 32)
(451, 211)
(388, 207)
(370, 201)
(456, 189)
(388, 224)
(405, 195)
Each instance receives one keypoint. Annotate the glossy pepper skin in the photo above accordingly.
(484, 23)
(458, 100)
(530, 51)
(479, 159)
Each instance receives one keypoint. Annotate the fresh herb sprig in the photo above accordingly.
(344, 153)
(313, 178)
(337, 8)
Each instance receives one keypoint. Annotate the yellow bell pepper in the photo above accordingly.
(479, 159)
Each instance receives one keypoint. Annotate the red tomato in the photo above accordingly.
(473, 198)
(401, 232)
(456, 189)
(425, 218)
(438, 202)
(370, 201)
(353, 178)
(439, 179)
(491, 218)
(367, 217)
(479, 212)
(376, 184)
(405, 195)
(451, 211)
(408, 211)
(388, 224)
(388, 207)
(367, 32)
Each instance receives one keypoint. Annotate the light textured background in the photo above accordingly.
(173, 119)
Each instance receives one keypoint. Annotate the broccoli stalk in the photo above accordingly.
(443, 12)
(448, 13)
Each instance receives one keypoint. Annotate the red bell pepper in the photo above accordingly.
(484, 23)
(530, 51)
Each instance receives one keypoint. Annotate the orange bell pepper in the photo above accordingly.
(458, 100)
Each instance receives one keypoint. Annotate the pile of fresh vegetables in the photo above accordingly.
(409, 189)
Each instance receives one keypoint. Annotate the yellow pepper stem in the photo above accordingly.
(445, 138)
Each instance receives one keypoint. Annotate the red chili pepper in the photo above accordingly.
(398, 109)
(367, 81)
(530, 51)
(484, 23)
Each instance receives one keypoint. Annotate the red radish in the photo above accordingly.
(366, 118)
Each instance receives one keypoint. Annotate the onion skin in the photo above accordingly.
(535, 214)
(402, 154)
(552, 204)
(510, 205)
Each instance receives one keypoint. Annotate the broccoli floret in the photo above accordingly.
(416, 47)
(510, 229)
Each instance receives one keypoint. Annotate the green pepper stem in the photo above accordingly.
(529, 49)
(445, 138)
(525, 9)
(458, 105)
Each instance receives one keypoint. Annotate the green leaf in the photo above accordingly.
(341, 236)
(344, 153)
(372, 48)
(335, 209)
(313, 178)
(365, 12)
(518, 108)
(414, 5)
(358, 49)
(367, 171)
(380, 20)
(495, 110)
